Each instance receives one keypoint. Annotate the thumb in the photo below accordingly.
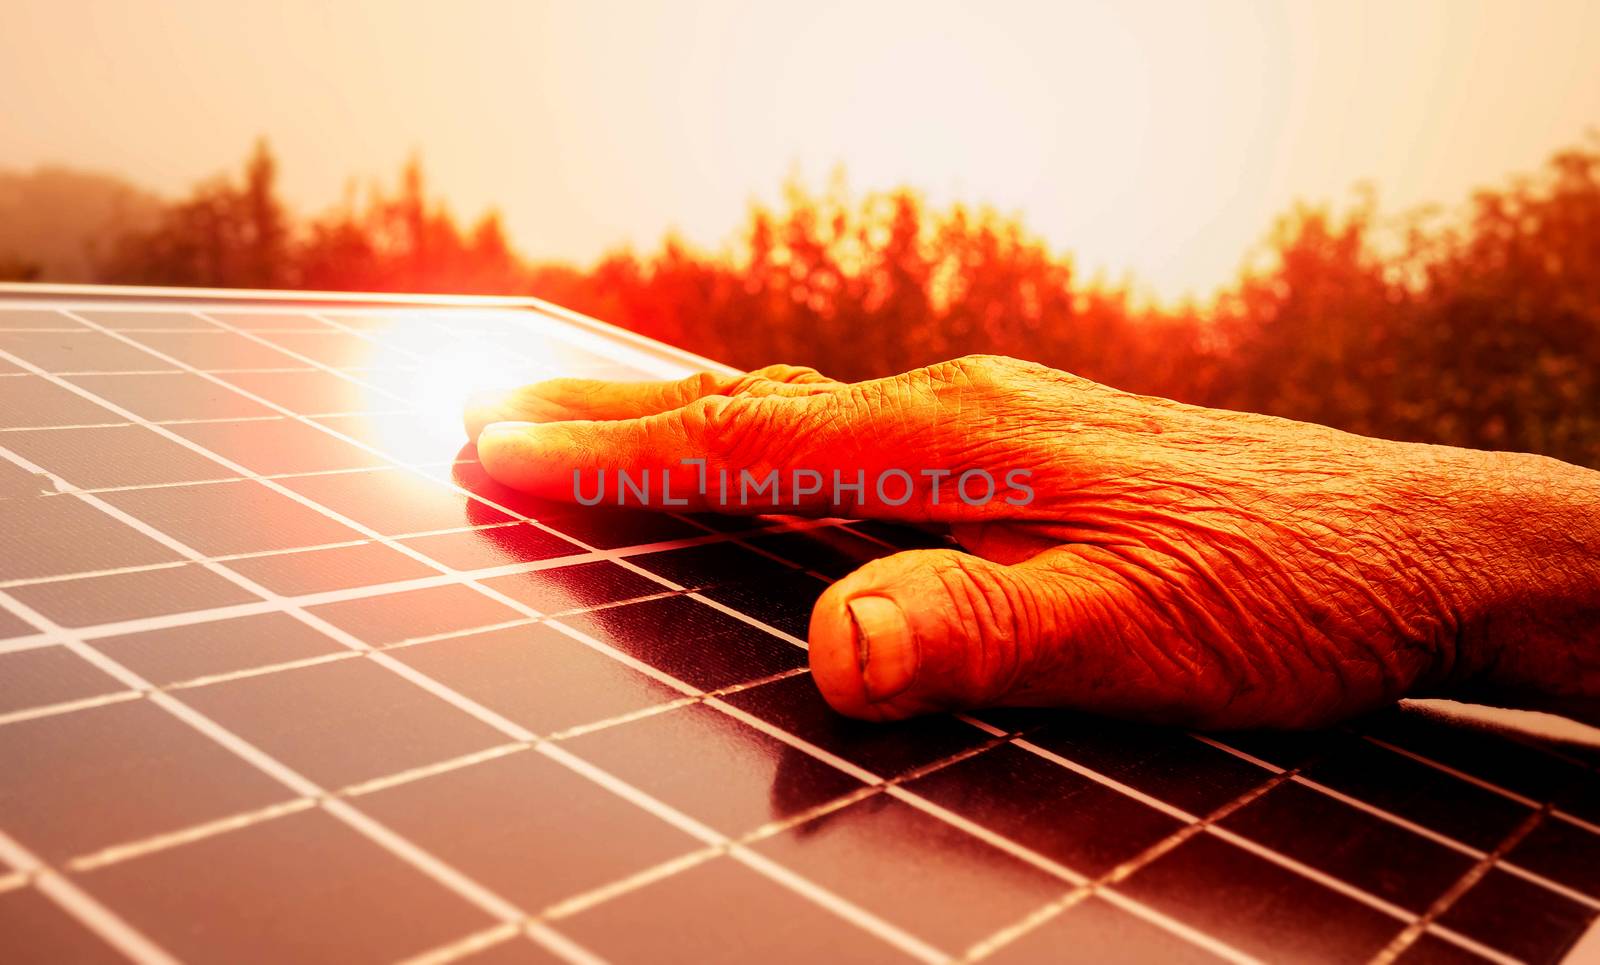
(938, 630)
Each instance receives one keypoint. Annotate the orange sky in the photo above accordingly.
(1156, 138)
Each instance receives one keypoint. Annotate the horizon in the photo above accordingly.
(1203, 124)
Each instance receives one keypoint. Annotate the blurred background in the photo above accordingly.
(1380, 216)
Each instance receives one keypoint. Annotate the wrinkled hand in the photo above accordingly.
(1174, 563)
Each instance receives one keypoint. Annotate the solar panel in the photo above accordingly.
(284, 676)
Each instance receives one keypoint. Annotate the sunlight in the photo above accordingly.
(431, 374)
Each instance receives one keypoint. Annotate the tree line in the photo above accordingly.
(1477, 327)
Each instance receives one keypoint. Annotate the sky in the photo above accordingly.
(1156, 140)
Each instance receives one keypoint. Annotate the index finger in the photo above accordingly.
(561, 400)
(719, 453)
(879, 449)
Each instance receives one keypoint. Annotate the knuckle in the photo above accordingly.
(859, 405)
(750, 383)
(715, 424)
(779, 380)
(983, 371)
(690, 388)
(788, 374)
(753, 432)
(703, 384)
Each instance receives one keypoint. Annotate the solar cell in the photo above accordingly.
(284, 676)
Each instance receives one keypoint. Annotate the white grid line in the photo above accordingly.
(1428, 921)
(994, 839)
(158, 842)
(418, 858)
(1206, 824)
(1104, 884)
(221, 480)
(321, 597)
(1414, 827)
(74, 901)
(1555, 812)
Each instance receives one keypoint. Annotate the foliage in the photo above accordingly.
(1483, 330)
(1482, 333)
(222, 235)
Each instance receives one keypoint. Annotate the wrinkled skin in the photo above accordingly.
(1176, 564)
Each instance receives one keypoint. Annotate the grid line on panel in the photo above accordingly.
(157, 842)
(738, 851)
(1116, 785)
(203, 420)
(768, 829)
(1351, 800)
(158, 422)
(1196, 824)
(1487, 785)
(1428, 920)
(894, 787)
(583, 901)
(1104, 884)
(239, 370)
(1331, 882)
(192, 617)
(1422, 830)
(505, 569)
(93, 915)
(493, 937)
(1453, 772)
(67, 488)
(413, 855)
(577, 904)
(68, 706)
(739, 540)
(126, 850)
(1423, 922)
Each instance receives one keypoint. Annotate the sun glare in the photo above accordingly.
(421, 377)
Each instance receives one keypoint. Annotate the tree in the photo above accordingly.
(224, 235)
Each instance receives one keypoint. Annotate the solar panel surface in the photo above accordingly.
(284, 676)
